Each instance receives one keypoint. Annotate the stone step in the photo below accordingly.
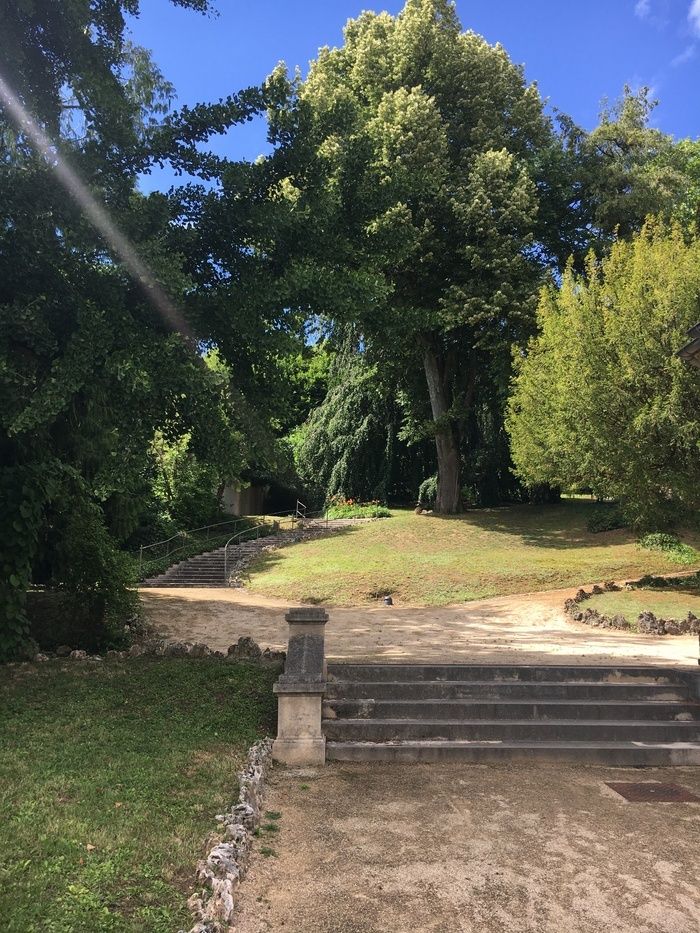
(482, 730)
(611, 754)
(392, 673)
(508, 709)
(179, 584)
(520, 690)
(196, 572)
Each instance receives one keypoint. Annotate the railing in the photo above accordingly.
(253, 533)
(205, 533)
(298, 517)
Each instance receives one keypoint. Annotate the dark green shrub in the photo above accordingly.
(605, 518)
(672, 547)
(427, 492)
(80, 621)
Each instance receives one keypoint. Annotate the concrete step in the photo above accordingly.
(612, 754)
(508, 709)
(476, 730)
(391, 673)
(518, 690)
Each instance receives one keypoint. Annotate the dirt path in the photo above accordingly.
(528, 629)
(466, 849)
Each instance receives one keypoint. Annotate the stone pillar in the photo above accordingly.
(300, 690)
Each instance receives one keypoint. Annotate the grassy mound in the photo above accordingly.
(436, 560)
(111, 774)
(669, 603)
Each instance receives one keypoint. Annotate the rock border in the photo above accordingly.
(222, 871)
(647, 622)
(246, 649)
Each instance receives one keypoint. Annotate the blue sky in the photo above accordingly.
(578, 51)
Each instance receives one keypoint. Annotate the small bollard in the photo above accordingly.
(300, 690)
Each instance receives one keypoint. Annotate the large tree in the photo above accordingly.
(95, 352)
(413, 150)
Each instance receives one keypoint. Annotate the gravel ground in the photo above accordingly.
(460, 849)
(527, 629)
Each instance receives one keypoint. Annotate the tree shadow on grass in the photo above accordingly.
(560, 525)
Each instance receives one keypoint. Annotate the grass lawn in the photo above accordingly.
(665, 604)
(110, 776)
(436, 560)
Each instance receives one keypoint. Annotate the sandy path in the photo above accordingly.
(376, 848)
(528, 629)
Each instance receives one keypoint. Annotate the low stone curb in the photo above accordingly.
(222, 871)
(245, 649)
(647, 622)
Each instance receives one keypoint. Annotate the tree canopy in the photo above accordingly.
(422, 140)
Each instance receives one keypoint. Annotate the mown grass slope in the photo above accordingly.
(435, 560)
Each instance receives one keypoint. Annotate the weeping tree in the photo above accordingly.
(346, 445)
(419, 140)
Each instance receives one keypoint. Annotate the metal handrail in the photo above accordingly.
(294, 517)
(192, 531)
(261, 524)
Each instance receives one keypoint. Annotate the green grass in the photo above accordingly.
(435, 560)
(110, 776)
(665, 604)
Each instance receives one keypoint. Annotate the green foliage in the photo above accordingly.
(672, 546)
(606, 518)
(186, 488)
(427, 491)
(305, 374)
(603, 184)
(89, 370)
(431, 135)
(338, 507)
(601, 399)
(344, 449)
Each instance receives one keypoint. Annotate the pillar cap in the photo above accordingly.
(306, 614)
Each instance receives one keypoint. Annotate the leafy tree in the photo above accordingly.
(601, 399)
(89, 368)
(412, 149)
(599, 185)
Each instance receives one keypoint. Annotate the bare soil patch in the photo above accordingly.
(472, 849)
(526, 629)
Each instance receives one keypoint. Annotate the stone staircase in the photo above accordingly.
(209, 569)
(206, 569)
(626, 716)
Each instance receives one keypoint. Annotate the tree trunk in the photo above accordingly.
(449, 497)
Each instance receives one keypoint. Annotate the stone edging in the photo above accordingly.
(647, 622)
(245, 649)
(222, 871)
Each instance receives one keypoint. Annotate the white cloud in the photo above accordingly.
(684, 56)
(642, 8)
(694, 16)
